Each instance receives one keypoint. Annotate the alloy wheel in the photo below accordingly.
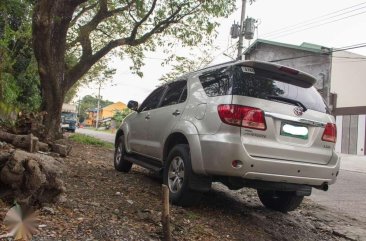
(176, 174)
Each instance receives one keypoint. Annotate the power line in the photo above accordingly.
(332, 51)
(307, 22)
(221, 53)
(318, 25)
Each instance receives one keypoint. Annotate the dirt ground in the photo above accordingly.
(103, 204)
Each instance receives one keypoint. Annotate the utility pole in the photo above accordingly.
(241, 34)
(98, 105)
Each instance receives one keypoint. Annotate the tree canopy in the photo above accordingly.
(86, 31)
(19, 79)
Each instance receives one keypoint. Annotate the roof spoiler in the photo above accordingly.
(303, 79)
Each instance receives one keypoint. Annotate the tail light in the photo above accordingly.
(243, 116)
(330, 133)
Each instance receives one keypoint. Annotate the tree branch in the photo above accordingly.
(82, 11)
(88, 59)
(101, 15)
(104, 32)
(78, 70)
(138, 24)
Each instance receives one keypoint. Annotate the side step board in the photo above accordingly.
(145, 162)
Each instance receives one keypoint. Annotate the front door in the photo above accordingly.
(163, 118)
(139, 126)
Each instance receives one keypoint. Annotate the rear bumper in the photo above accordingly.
(219, 151)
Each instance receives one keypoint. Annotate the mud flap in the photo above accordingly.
(200, 183)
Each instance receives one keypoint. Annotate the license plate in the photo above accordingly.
(301, 132)
(64, 125)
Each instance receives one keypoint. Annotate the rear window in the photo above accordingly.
(264, 85)
(217, 82)
(238, 80)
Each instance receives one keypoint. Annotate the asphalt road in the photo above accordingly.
(97, 134)
(348, 195)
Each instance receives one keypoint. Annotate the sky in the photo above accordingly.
(330, 23)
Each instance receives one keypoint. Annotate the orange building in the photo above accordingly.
(105, 114)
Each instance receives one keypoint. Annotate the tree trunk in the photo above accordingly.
(52, 104)
(49, 29)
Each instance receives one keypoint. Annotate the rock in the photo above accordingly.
(63, 150)
(116, 211)
(12, 173)
(61, 199)
(95, 204)
(42, 226)
(118, 193)
(4, 158)
(144, 214)
(33, 177)
(130, 202)
(2, 144)
(48, 210)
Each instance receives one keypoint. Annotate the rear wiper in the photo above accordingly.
(291, 101)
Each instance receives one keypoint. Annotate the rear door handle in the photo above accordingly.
(176, 113)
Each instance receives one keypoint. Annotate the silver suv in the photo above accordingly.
(244, 124)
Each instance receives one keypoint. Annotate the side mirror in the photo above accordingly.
(133, 105)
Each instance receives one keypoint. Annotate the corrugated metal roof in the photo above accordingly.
(309, 47)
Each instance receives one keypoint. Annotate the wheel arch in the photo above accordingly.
(187, 130)
(172, 140)
(118, 135)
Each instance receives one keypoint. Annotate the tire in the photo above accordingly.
(279, 200)
(121, 164)
(177, 173)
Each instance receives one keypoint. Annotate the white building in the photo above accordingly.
(348, 81)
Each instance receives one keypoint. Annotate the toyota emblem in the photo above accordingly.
(298, 110)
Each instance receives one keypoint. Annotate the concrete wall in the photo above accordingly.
(315, 64)
(349, 79)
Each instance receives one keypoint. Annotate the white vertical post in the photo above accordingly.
(339, 121)
(361, 135)
(98, 107)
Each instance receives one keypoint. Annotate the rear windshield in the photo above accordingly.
(260, 84)
(266, 85)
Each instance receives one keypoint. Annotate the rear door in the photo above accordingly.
(295, 116)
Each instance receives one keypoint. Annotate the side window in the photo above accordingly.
(174, 93)
(152, 101)
(216, 83)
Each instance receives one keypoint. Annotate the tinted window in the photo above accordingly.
(264, 85)
(153, 99)
(216, 83)
(173, 93)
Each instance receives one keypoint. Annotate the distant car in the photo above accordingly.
(68, 121)
(245, 124)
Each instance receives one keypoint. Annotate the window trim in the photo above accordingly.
(164, 87)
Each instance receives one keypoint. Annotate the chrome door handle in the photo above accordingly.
(176, 113)
(147, 117)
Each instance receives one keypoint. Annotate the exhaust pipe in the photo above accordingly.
(323, 187)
